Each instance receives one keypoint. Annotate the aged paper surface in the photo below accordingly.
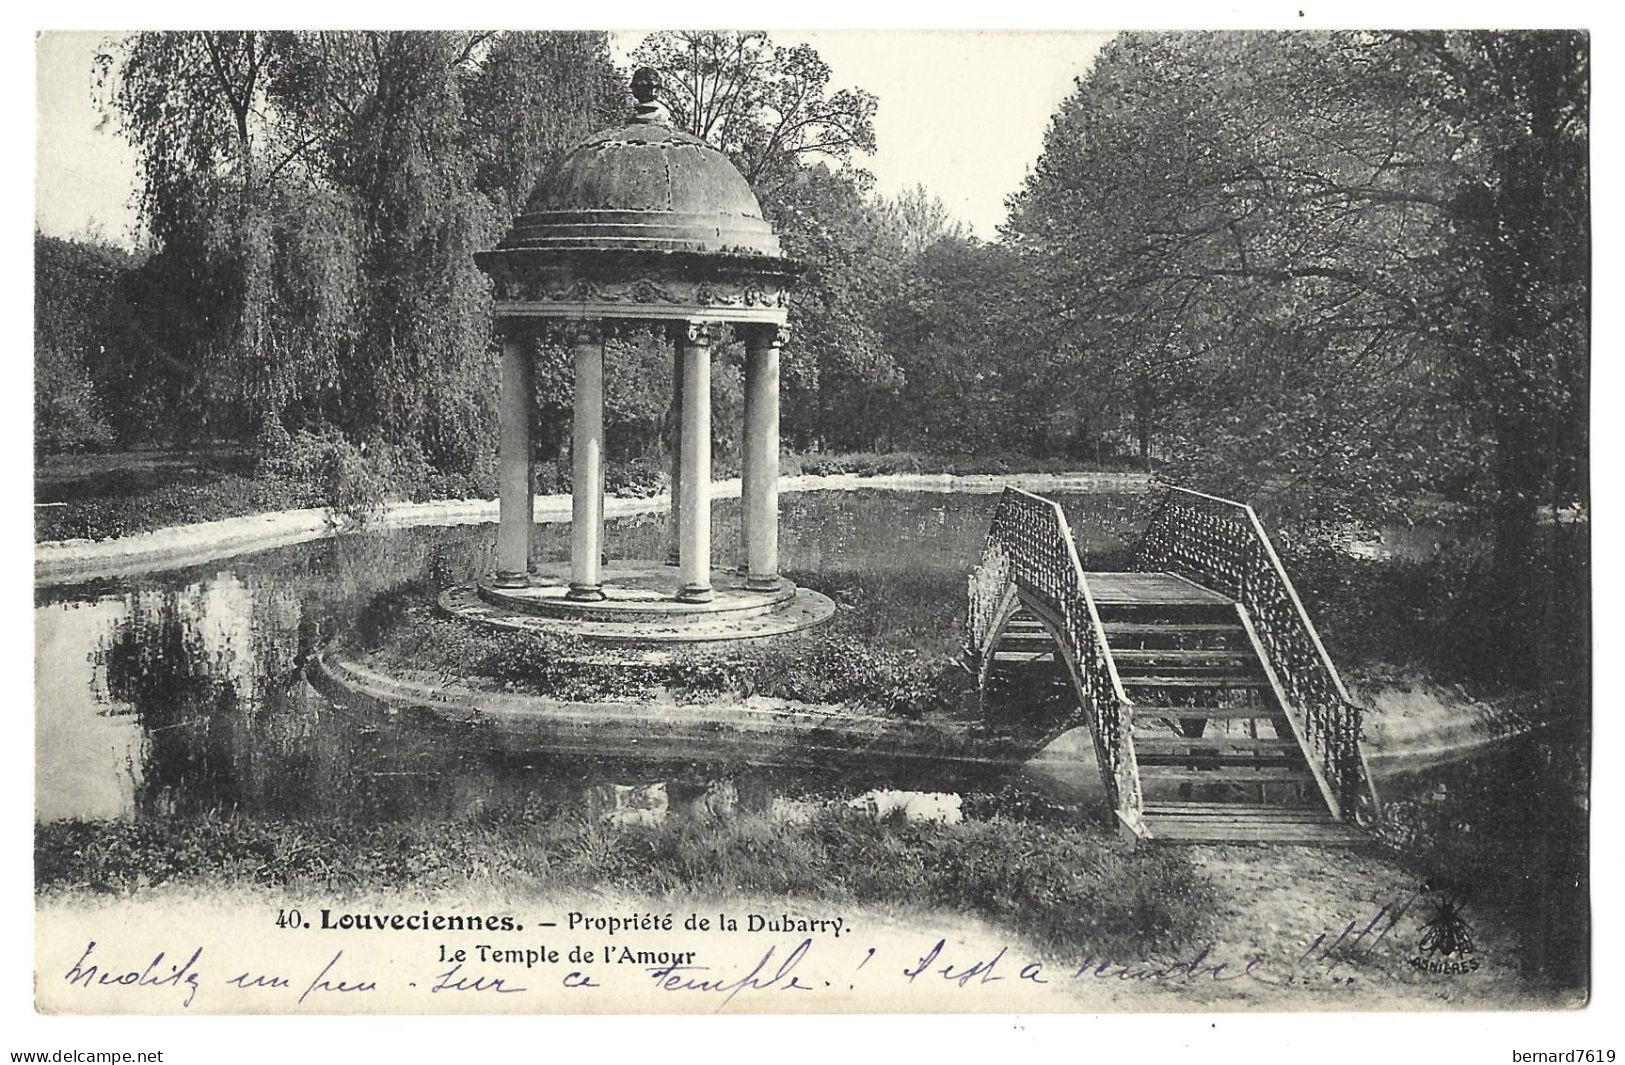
(248, 801)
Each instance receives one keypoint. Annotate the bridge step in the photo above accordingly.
(1188, 809)
(1208, 747)
(1144, 712)
(1212, 822)
(1022, 654)
(1142, 628)
(1237, 823)
(1224, 773)
(1211, 680)
(1183, 656)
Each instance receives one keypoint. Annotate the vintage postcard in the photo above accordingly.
(812, 522)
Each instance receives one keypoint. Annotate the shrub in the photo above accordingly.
(67, 415)
(340, 474)
(637, 478)
(273, 448)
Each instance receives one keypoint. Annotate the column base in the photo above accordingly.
(756, 582)
(584, 593)
(695, 593)
(511, 580)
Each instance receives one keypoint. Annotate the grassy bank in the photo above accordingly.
(1061, 886)
(890, 648)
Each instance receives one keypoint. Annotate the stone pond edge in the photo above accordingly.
(764, 731)
(60, 561)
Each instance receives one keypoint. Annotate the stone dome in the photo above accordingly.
(644, 187)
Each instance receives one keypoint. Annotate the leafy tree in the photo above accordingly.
(837, 370)
(1350, 268)
(915, 219)
(78, 291)
(770, 109)
(767, 106)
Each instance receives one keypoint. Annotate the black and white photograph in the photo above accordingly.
(728, 521)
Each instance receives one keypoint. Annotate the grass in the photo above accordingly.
(124, 501)
(889, 649)
(1063, 886)
(129, 494)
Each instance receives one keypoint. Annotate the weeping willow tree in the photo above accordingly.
(315, 200)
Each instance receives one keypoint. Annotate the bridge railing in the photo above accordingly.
(1221, 544)
(1030, 550)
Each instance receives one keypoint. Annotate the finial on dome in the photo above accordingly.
(645, 86)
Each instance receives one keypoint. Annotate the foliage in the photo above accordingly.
(770, 109)
(915, 219)
(767, 106)
(837, 371)
(77, 296)
(1301, 271)
(121, 502)
(1066, 887)
(1347, 268)
(315, 200)
(871, 464)
(66, 409)
(827, 667)
(311, 470)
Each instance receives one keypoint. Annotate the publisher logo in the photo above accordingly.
(1445, 947)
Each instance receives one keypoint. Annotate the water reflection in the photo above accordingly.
(181, 693)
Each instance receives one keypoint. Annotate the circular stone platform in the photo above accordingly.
(640, 606)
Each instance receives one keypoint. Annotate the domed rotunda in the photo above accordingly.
(642, 227)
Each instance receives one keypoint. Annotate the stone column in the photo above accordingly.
(674, 440)
(749, 468)
(694, 509)
(587, 467)
(515, 505)
(759, 500)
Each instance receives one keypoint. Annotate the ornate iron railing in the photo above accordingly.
(1030, 551)
(1221, 544)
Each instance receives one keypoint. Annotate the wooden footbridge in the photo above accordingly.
(1216, 714)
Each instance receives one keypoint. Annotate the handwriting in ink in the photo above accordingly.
(1198, 965)
(451, 981)
(322, 983)
(980, 971)
(673, 977)
(185, 975)
(248, 983)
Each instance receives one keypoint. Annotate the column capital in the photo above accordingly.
(582, 330)
(698, 333)
(528, 333)
(769, 335)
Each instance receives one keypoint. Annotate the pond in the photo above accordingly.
(180, 693)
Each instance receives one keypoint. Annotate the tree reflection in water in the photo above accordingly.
(208, 663)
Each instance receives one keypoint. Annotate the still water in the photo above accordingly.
(178, 693)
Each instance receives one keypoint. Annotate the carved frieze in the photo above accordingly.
(543, 288)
